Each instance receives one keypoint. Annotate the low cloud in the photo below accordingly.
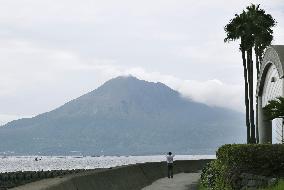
(211, 92)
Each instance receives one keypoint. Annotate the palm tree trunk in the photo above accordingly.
(257, 60)
(282, 132)
(256, 117)
(250, 76)
(246, 94)
(260, 60)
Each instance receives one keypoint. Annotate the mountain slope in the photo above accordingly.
(125, 116)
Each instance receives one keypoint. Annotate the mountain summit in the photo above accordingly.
(125, 116)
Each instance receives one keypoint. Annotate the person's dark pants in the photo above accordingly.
(170, 170)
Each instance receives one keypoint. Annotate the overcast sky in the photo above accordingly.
(54, 51)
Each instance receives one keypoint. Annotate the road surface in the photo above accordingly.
(182, 181)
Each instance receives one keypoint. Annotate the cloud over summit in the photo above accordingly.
(54, 51)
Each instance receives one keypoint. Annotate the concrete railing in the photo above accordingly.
(131, 177)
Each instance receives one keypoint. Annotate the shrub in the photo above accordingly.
(278, 186)
(213, 175)
(261, 159)
(234, 159)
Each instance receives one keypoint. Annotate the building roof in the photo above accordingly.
(273, 55)
(280, 51)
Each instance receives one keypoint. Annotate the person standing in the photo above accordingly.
(170, 163)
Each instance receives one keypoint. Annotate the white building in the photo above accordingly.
(269, 86)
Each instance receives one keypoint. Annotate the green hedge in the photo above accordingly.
(261, 159)
(213, 176)
(278, 186)
(234, 159)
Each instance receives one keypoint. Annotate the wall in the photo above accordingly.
(130, 177)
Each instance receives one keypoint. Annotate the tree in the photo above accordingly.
(275, 109)
(235, 30)
(261, 24)
(253, 28)
(241, 28)
(262, 32)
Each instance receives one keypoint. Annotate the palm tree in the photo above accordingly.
(253, 28)
(261, 24)
(236, 30)
(263, 34)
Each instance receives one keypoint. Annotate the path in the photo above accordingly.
(182, 181)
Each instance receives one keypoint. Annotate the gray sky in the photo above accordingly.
(56, 50)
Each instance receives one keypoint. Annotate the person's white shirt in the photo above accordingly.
(170, 158)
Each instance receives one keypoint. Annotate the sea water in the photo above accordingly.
(38, 163)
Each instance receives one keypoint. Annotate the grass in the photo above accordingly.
(278, 186)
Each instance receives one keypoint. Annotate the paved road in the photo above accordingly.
(183, 181)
